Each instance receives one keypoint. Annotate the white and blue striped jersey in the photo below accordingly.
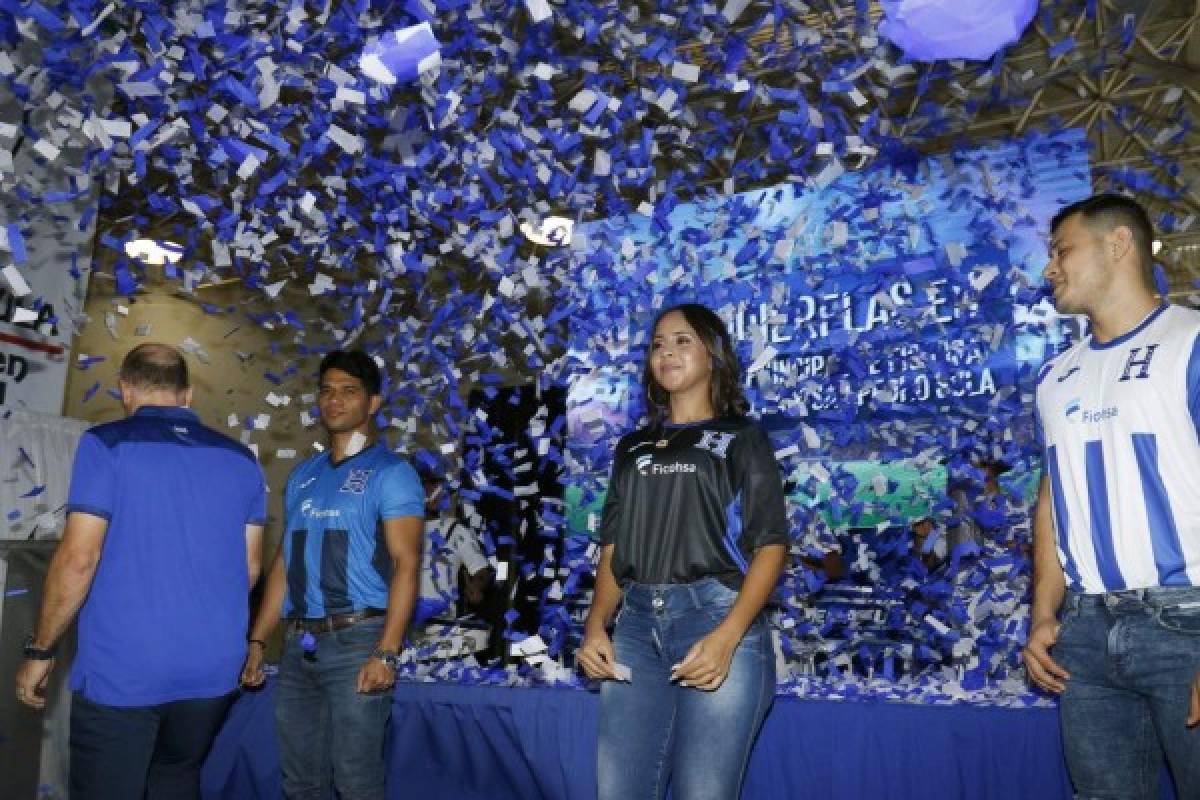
(1119, 427)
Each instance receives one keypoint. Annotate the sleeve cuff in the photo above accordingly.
(417, 511)
(94, 511)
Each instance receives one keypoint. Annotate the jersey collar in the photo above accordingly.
(348, 459)
(1125, 337)
(166, 412)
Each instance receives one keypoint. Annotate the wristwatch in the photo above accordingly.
(34, 653)
(390, 658)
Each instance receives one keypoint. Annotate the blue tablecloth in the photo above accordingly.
(463, 742)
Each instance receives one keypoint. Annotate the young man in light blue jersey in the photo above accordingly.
(345, 581)
(1115, 628)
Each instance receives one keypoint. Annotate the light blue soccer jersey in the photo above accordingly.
(334, 549)
(1119, 424)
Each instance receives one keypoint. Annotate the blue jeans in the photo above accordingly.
(329, 733)
(1132, 656)
(653, 731)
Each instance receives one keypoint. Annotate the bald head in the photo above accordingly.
(154, 374)
(155, 366)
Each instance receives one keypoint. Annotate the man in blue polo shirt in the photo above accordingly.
(345, 580)
(161, 547)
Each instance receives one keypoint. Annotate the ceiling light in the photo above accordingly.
(553, 232)
(153, 253)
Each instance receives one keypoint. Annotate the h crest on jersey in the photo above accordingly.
(1138, 365)
(715, 442)
(356, 481)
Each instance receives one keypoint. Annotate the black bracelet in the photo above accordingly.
(258, 642)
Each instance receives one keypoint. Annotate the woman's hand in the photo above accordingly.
(596, 656)
(707, 663)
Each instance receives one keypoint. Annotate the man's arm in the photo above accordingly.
(70, 575)
(67, 584)
(403, 538)
(264, 623)
(1049, 589)
(254, 534)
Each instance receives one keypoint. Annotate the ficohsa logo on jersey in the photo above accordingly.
(1075, 412)
(306, 508)
(646, 466)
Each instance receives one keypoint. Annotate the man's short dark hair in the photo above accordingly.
(153, 366)
(355, 363)
(1104, 212)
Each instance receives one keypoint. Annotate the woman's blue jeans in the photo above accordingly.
(1131, 656)
(654, 732)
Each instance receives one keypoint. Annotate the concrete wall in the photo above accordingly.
(227, 372)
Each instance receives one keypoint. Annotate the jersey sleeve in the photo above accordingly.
(93, 478)
(256, 513)
(1193, 383)
(289, 492)
(610, 519)
(1039, 433)
(400, 492)
(758, 480)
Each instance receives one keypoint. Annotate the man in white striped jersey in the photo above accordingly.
(1115, 627)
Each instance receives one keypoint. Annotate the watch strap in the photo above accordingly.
(389, 657)
(34, 653)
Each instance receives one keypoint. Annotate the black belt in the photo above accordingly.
(333, 622)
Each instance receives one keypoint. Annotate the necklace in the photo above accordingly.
(665, 440)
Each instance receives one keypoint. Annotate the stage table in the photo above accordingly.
(464, 742)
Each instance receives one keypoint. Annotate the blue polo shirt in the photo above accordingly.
(166, 616)
(334, 548)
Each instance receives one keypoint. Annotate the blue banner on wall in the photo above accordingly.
(889, 323)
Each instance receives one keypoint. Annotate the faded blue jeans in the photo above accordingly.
(1132, 656)
(329, 734)
(654, 732)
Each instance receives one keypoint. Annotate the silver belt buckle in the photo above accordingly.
(658, 602)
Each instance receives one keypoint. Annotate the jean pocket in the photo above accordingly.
(1182, 618)
(717, 612)
(616, 620)
(1066, 617)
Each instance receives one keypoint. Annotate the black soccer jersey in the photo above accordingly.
(697, 506)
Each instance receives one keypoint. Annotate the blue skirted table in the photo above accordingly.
(463, 742)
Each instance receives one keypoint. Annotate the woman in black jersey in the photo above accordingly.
(694, 538)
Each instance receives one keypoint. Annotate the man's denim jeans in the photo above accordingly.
(1131, 656)
(653, 731)
(327, 730)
